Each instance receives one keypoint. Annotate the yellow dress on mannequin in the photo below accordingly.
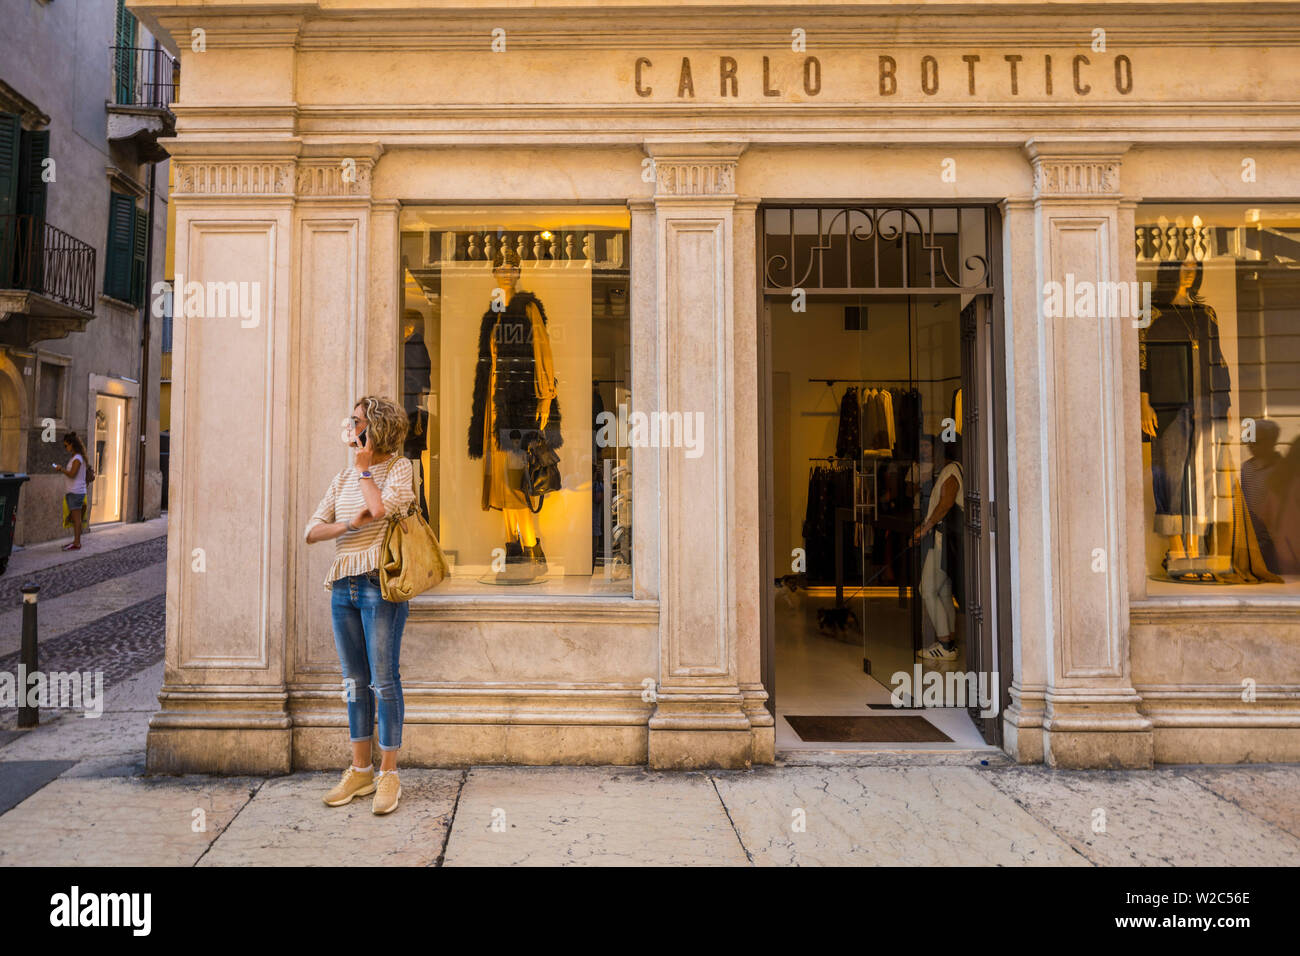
(502, 490)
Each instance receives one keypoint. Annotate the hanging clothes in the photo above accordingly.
(908, 421)
(829, 488)
(887, 410)
(877, 418)
(848, 441)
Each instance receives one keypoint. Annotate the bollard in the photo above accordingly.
(27, 716)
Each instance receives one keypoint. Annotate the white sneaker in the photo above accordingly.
(937, 652)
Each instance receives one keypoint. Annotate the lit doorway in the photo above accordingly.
(108, 449)
(877, 340)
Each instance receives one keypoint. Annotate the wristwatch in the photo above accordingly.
(366, 473)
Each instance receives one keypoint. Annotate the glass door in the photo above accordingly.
(109, 453)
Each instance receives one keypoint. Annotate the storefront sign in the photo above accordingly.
(885, 75)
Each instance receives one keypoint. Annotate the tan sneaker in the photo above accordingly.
(355, 783)
(388, 790)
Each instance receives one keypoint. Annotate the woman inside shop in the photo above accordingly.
(941, 570)
(367, 628)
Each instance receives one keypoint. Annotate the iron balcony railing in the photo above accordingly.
(144, 77)
(40, 258)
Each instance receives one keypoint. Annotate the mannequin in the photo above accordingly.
(1185, 388)
(514, 395)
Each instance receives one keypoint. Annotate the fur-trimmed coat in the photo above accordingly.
(515, 398)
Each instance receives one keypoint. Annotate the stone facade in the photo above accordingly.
(692, 118)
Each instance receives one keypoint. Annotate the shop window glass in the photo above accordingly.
(516, 338)
(1220, 361)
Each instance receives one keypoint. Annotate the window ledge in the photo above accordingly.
(117, 303)
(1224, 610)
(549, 609)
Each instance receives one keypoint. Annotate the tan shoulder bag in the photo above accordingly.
(412, 560)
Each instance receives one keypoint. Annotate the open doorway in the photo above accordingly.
(882, 625)
(109, 451)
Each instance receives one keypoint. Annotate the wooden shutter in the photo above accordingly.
(120, 253)
(10, 163)
(140, 230)
(124, 65)
(34, 149)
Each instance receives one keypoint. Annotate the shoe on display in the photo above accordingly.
(937, 652)
(537, 556)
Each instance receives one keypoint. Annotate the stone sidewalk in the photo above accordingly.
(73, 792)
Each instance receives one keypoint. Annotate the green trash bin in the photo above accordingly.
(10, 485)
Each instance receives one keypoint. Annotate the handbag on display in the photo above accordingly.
(541, 469)
(411, 561)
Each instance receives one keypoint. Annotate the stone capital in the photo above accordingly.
(1068, 169)
(695, 170)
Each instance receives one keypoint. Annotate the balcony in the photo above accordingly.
(47, 282)
(145, 82)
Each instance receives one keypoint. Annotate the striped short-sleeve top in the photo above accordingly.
(357, 552)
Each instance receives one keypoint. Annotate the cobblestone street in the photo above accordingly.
(102, 609)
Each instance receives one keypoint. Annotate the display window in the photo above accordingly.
(516, 371)
(1220, 396)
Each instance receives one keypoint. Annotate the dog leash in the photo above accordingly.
(888, 564)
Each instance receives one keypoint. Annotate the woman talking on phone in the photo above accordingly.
(367, 628)
(75, 475)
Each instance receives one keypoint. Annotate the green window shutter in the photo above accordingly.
(125, 59)
(34, 150)
(10, 163)
(120, 252)
(140, 226)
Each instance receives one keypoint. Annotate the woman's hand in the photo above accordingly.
(1149, 421)
(920, 532)
(365, 453)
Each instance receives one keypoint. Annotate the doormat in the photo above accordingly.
(870, 730)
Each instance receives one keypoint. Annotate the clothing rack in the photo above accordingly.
(893, 381)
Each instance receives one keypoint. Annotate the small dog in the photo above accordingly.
(840, 623)
(787, 590)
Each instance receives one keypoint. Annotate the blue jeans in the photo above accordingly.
(368, 638)
(1171, 452)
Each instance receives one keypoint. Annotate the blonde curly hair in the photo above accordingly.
(388, 424)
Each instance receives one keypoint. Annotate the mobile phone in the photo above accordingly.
(361, 437)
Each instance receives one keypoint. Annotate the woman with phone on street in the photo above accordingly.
(367, 628)
(75, 475)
